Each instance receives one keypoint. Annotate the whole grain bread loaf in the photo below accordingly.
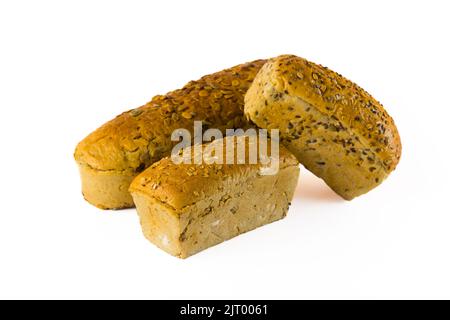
(111, 156)
(186, 208)
(334, 128)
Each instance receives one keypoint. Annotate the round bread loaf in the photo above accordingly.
(334, 128)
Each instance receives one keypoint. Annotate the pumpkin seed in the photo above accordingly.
(136, 112)
(203, 93)
(187, 114)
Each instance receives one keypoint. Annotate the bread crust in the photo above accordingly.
(334, 127)
(126, 145)
(186, 208)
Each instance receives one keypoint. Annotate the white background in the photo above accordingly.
(68, 66)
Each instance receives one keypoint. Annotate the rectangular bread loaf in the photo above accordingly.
(111, 156)
(186, 208)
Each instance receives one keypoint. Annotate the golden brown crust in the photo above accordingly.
(137, 138)
(323, 116)
(173, 184)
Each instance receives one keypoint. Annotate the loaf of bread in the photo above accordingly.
(110, 157)
(186, 208)
(334, 128)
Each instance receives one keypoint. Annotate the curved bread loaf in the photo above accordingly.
(111, 156)
(186, 208)
(334, 128)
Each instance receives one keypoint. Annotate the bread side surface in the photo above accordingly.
(335, 128)
(106, 190)
(160, 224)
(185, 209)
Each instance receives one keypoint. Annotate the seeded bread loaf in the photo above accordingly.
(186, 208)
(111, 156)
(334, 128)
